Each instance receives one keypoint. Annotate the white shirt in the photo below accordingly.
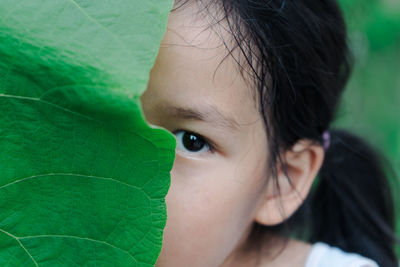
(323, 255)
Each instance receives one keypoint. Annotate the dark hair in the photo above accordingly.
(299, 60)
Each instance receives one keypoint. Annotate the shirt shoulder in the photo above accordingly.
(324, 255)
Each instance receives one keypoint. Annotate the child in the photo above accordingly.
(249, 88)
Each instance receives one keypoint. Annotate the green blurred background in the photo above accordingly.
(371, 103)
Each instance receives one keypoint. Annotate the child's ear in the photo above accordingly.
(303, 162)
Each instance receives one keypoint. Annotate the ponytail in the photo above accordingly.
(352, 205)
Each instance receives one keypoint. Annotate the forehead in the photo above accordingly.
(194, 65)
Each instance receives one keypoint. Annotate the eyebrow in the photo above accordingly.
(206, 113)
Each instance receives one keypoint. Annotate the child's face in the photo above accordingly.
(214, 195)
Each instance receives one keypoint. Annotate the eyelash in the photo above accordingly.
(209, 144)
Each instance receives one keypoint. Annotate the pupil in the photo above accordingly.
(192, 142)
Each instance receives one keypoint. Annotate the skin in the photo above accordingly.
(216, 194)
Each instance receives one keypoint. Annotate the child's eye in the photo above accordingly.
(191, 142)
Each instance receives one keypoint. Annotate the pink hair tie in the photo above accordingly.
(326, 137)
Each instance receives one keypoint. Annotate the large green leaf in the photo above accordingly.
(83, 178)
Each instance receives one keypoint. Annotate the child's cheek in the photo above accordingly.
(207, 212)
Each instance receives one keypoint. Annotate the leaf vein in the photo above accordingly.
(101, 26)
(22, 246)
(73, 174)
(48, 103)
(82, 238)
